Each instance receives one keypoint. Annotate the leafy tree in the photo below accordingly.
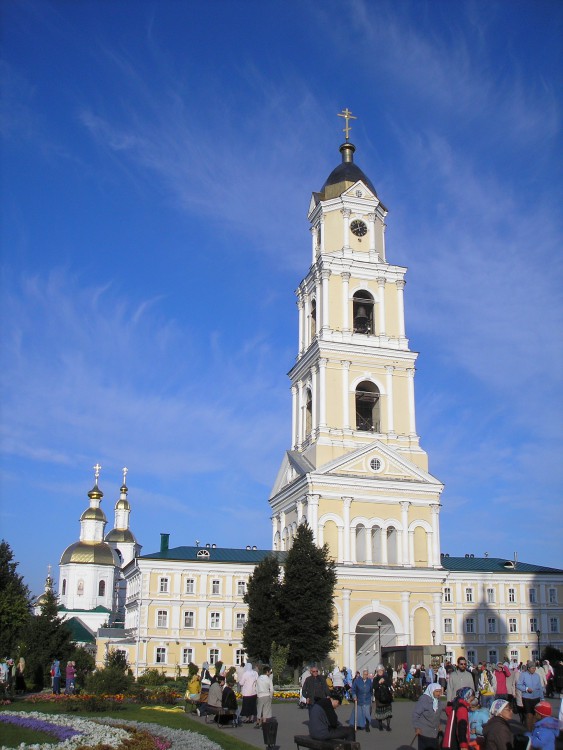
(110, 681)
(84, 663)
(116, 659)
(15, 602)
(278, 660)
(46, 638)
(262, 596)
(307, 600)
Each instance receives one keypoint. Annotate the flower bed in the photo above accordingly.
(71, 733)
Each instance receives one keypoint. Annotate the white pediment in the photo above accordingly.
(377, 461)
(293, 466)
(360, 190)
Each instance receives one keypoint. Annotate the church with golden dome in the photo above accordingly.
(91, 584)
(354, 470)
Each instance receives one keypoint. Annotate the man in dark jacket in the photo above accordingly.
(323, 721)
(315, 688)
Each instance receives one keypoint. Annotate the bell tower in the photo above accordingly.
(355, 469)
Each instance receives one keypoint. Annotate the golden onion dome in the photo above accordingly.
(94, 514)
(95, 493)
(120, 535)
(94, 553)
(122, 504)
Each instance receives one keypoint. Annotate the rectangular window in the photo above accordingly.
(471, 657)
(447, 594)
(553, 596)
(216, 586)
(492, 625)
(187, 655)
(514, 655)
(213, 655)
(490, 596)
(163, 586)
(162, 618)
(535, 654)
(190, 586)
(239, 657)
(448, 625)
(493, 656)
(188, 619)
(553, 624)
(533, 624)
(532, 593)
(241, 588)
(512, 625)
(512, 595)
(241, 618)
(161, 655)
(215, 620)
(469, 595)
(470, 625)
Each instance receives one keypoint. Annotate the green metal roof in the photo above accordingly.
(216, 554)
(99, 608)
(493, 565)
(79, 632)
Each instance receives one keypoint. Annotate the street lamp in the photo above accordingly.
(538, 633)
(433, 634)
(379, 624)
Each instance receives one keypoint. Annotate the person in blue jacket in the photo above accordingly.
(361, 695)
(529, 684)
(546, 728)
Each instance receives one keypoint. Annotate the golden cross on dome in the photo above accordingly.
(347, 115)
(96, 468)
(125, 471)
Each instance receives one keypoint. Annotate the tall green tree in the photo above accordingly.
(262, 626)
(47, 637)
(307, 600)
(15, 602)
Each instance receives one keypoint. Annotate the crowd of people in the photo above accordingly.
(12, 677)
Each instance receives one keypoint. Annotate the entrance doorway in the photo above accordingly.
(374, 632)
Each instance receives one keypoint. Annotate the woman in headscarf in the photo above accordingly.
(248, 689)
(205, 682)
(426, 717)
(383, 694)
(497, 732)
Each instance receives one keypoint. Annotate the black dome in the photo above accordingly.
(347, 173)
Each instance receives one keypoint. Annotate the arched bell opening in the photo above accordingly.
(308, 412)
(367, 407)
(313, 319)
(363, 312)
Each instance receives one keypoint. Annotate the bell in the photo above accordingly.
(361, 319)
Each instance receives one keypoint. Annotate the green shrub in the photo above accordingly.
(152, 677)
(108, 681)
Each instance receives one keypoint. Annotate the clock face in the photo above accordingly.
(358, 228)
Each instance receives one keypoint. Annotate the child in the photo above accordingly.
(546, 728)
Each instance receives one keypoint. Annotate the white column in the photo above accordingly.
(383, 228)
(313, 244)
(384, 551)
(274, 530)
(405, 521)
(400, 308)
(368, 545)
(313, 514)
(345, 228)
(371, 227)
(325, 277)
(322, 242)
(411, 547)
(405, 616)
(346, 624)
(306, 320)
(300, 403)
(436, 536)
(319, 299)
(340, 535)
(293, 417)
(345, 395)
(437, 626)
(346, 503)
(412, 417)
(299, 507)
(389, 369)
(345, 276)
(429, 548)
(315, 398)
(301, 326)
(353, 545)
(381, 306)
(322, 392)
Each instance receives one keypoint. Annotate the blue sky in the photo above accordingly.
(158, 161)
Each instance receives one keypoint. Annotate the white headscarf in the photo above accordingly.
(430, 691)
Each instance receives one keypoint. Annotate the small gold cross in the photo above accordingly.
(347, 115)
(97, 468)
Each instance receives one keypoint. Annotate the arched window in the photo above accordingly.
(308, 412)
(376, 552)
(361, 534)
(313, 325)
(392, 546)
(102, 588)
(363, 312)
(64, 587)
(367, 407)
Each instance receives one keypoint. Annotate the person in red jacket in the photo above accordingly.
(501, 673)
(456, 735)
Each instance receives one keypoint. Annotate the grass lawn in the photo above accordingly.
(12, 736)
(225, 738)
